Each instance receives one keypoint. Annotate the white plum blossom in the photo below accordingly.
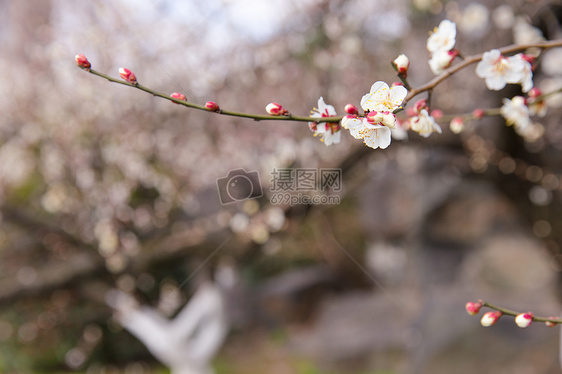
(373, 135)
(424, 124)
(400, 131)
(330, 131)
(441, 60)
(383, 98)
(527, 74)
(498, 70)
(516, 112)
(443, 37)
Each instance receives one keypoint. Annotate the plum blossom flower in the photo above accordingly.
(516, 112)
(373, 135)
(443, 38)
(424, 124)
(330, 131)
(498, 70)
(441, 60)
(527, 74)
(383, 98)
(400, 130)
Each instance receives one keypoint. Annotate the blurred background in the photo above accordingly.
(106, 188)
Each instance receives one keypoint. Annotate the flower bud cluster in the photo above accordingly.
(522, 320)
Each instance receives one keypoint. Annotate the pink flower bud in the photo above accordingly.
(550, 323)
(401, 64)
(457, 125)
(394, 84)
(275, 109)
(350, 109)
(375, 117)
(490, 318)
(524, 319)
(535, 92)
(411, 112)
(82, 61)
(177, 95)
(212, 106)
(127, 75)
(419, 105)
(478, 113)
(473, 308)
(437, 113)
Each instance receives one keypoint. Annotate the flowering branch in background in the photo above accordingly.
(522, 320)
(379, 124)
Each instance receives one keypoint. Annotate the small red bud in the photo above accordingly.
(473, 308)
(419, 105)
(550, 323)
(457, 125)
(350, 109)
(523, 320)
(178, 96)
(275, 109)
(401, 64)
(437, 113)
(535, 92)
(212, 106)
(82, 61)
(375, 117)
(127, 75)
(490, 318)
(478, 113)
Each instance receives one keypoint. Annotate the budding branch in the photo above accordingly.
(256, 117)
(514, 314)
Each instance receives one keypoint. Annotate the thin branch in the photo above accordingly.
(514, 314)
(474, 59)
(256, 117)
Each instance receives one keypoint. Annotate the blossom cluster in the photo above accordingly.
(440, 45)
(379, 124)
